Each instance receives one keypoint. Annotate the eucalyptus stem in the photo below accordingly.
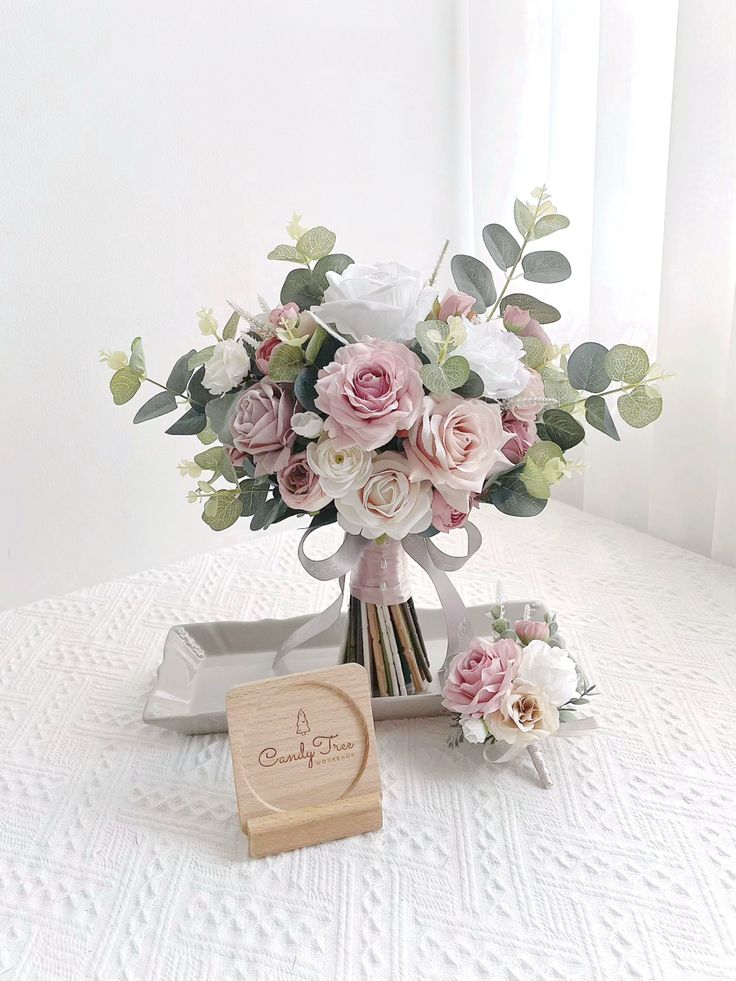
(440, 260)
(524, 244)
(614, 391)
(167, 389)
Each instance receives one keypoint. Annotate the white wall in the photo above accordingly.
(151, 155)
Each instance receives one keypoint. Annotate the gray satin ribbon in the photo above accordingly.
(508, 751)
(425, 553)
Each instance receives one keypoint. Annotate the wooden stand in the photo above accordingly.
(304, 758)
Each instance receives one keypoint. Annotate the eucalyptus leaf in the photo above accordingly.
(285, 363)
(442, 378)
(545, 267)
(304, 387)
(123, 385)
(640, 408)
(209, 459)
(548, 224)
(200, 357)
(502, 246)
(586, 367)
(227, 511)
(314, 344)
(197, 392)
(217, 412)
(474, 277)
(543, 313)
(230, 330)
(473, 387)
(159, 405)
(267, 512)
(535, 481)
(137, 361)
(207, 436)
(253, 493)
(534, 356)
(286, 253)
(557, 388)
(179, 376)
(562, 428)
(510, 496)
(598, 416)
(225, 467)
(192, 422)
(336, 262)
(431, 334)
(317, 242)
(523, 217)
(627, 364)
(300, 288)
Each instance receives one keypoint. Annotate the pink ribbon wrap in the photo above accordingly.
(381, 575)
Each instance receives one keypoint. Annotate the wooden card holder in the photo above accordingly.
(304, 758)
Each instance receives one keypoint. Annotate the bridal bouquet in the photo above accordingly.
(366, 397)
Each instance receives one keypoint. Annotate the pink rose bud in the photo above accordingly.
(264, 351)
(521, 435)
(529, 630)
(515, 319)
(455, 304)
(444, 516)
(279, 314)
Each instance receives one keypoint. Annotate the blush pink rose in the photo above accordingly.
(521, 435)
(479, 678)
(279, 314)
(454, 304)
(370, 391)
(528, 404)
(521, 322)
(299, 485)
(444, 516)
(261, 426)
(264, 351)
(237, 457)
(456, 444)
(529, 630)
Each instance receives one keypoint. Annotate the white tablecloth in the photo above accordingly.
(121, 855)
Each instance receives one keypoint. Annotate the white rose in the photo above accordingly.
(474, 730)
(389, 503)
(227, 367)
(339, 471)
(524, 715)
(385, 301)
(307, 424)
(495, 354)
(550, 669)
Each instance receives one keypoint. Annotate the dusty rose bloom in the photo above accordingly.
(261, 426)
(299, 485)
(280, 314)
(454, 304)
(444, 516)
(521, 435)
(264, 352)
(528, 630)
(522, 323)
(478, 679)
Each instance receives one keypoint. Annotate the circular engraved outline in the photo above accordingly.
(366, 742)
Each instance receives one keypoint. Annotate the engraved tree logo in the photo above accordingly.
(302, 726)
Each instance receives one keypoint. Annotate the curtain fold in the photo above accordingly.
(628, 112)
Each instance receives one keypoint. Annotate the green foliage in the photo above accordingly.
(207, 436)
(197, 392)
(225, 512)
(541, 312)
(269, 511)
(316, 243)
(598, 416)
(502, 246)
(430, 335)
(546, 267)
(523, 218)
(209, 459)
(217, 413)
(253, 494)
(200, 357)
(442, 378)
(640, 407)
(561, 428)
(534, 356)
(300, 287)
(557, 388)
(123, 385)
(285, 364)
(542, 468)
(627, 364)
(287, 253)
(314, 344)
(474, 277)
(304, 387)
(586, 367)
(159, 405)
(473, 387)
(177, 380)
(548, 224)
(192, 422)
(509, 495)
(337, 262)
(230, 330)
(137, 362)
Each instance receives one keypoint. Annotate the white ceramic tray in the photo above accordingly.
(203, 661)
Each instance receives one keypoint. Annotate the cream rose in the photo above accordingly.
(390, 502)
(339, 470)
(456, 443)
(227, 367)
(524, 715)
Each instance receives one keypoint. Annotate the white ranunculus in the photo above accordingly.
(385, 301)
(339, 471)
(389, 503)
(474, 730)
(227, 367)
(307, 424)
(525, 714)
(495, 354)
(550, 669)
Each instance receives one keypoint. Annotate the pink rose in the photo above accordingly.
(456, 443)
(444, 516)
(528, 404)
(299, 485)
(261, 426)
(529, 630)
(521, 322)
(455, 304)
(479, 678)
(264, 351)
(370, 391)
(237, 457)
(521, 435)
(280, 314)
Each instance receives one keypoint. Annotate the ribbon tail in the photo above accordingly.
(308, 631)
(456, 615)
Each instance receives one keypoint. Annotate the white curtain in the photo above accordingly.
(627, 109)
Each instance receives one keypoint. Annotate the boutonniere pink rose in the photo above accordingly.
(478, 678)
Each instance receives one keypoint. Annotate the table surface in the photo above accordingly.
(121, 855)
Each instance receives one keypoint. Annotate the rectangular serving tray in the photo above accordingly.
(203, 661)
